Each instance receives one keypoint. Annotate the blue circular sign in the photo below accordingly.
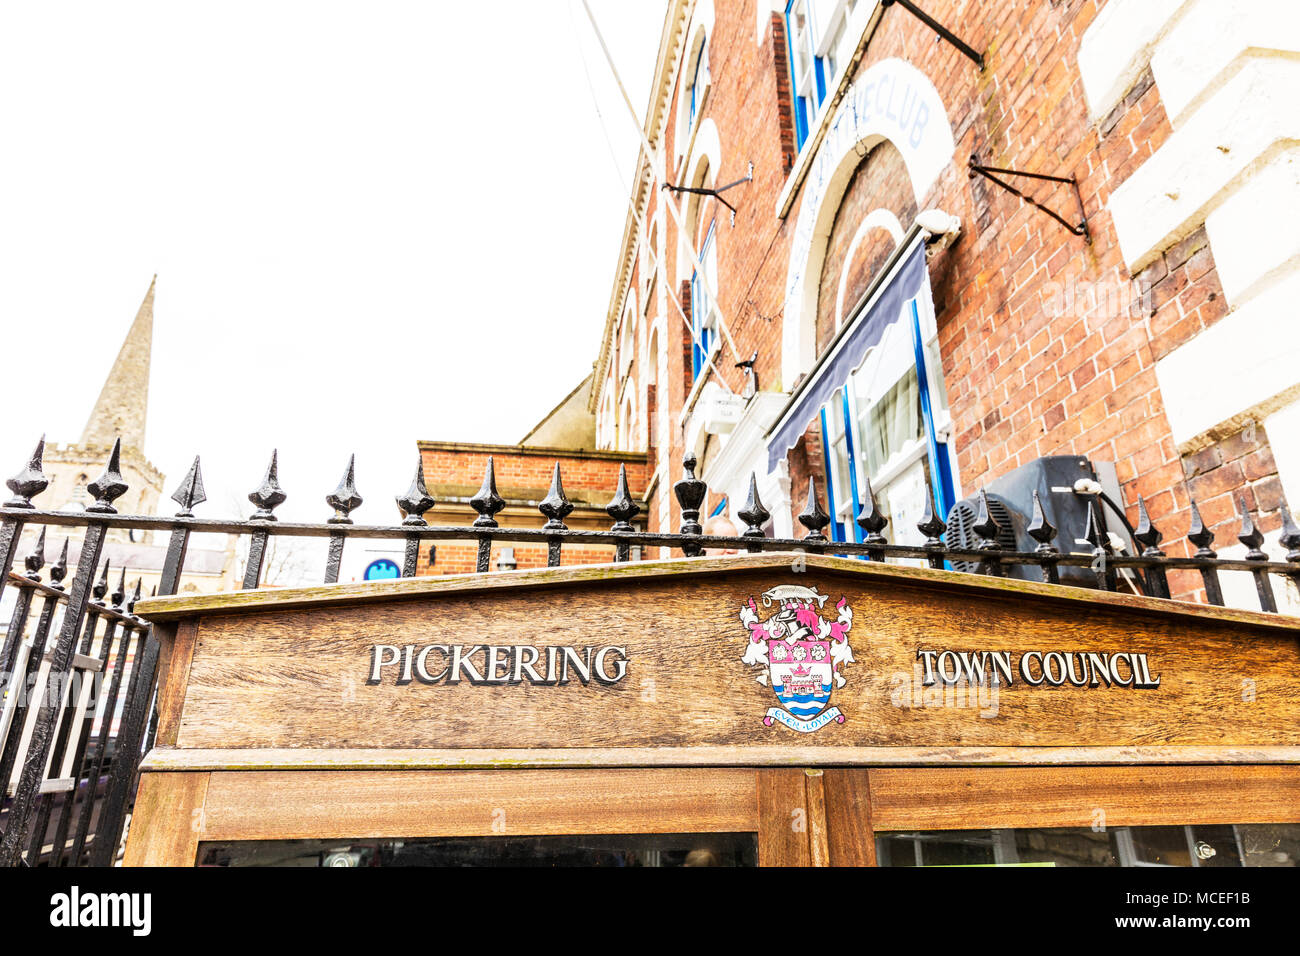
(381, 570)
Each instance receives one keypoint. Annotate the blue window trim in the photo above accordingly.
(837, 528)
(801, 117)
(853, 466)
(936, 451)
(944, 494)
(695, 83)
(701, 338)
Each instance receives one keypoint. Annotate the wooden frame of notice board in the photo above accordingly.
(813, 701)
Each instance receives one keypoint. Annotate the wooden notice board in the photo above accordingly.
(844, 687)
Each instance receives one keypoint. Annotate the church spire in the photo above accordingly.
(124, 399)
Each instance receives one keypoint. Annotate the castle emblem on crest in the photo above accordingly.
(802, 654)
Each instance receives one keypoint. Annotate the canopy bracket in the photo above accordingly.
(1081, 229)
(965, 49)
(715, 193)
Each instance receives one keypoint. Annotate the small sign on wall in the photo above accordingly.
(381, 569)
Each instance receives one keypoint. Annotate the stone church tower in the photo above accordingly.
(120, 411)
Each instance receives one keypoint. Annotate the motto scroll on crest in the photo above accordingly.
(802, 653)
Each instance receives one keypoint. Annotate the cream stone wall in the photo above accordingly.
(1226, 72)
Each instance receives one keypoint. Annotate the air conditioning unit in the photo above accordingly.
(1011, 504)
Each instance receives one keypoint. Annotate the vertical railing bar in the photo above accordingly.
(267, 497)
(1201, 536)
(107, 641)
(130, 636)
(105, 489)
(413, 506)
(411, 556)
(14, 636)
(488, 504)
(256, 554)
(344, 500)
(126, 759)
(334, 559)
(555, 507)
(22, 692)
(11, 530)
(1253, 539)
(1149, 536)
(1042, 531)
(69, 693)
(623, 509)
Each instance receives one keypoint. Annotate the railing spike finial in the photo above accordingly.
(813, 517)
(417, 499)
(29, 482)
(190, 492)
(556, 506)
(753, 514)
(1149, 536)
(269, 495)
(871, 519)
(1095, 534)
(118, 597)
(1250, 536)
(1199, 535)
(1146, 533)
(1253, 538)
(36, 560)
(1043, 531)
(1040, 529)
(621, 507)
(109, 486)
(100, 587)
(986, 526)
(135, 596)
(487, 502)
(59, 569)
(690, 492)
(932, 526)
(344, 499)
(1290, 537)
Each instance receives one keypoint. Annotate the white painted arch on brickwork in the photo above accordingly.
(892, 100)
(876, 219)
(697, 35)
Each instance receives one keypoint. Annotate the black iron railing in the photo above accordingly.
(78, 818)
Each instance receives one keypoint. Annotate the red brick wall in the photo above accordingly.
(461, 557)
(518, 471)
(523, 476)
(1048, 344)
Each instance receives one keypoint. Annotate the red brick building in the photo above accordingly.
(523, 472)
(875, 311)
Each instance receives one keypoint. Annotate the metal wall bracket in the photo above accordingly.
(1081, 229)
(938, 28)
(715, 193)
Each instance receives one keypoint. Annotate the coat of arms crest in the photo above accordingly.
(802, 653)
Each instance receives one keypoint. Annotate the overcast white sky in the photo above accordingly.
(371, 223)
